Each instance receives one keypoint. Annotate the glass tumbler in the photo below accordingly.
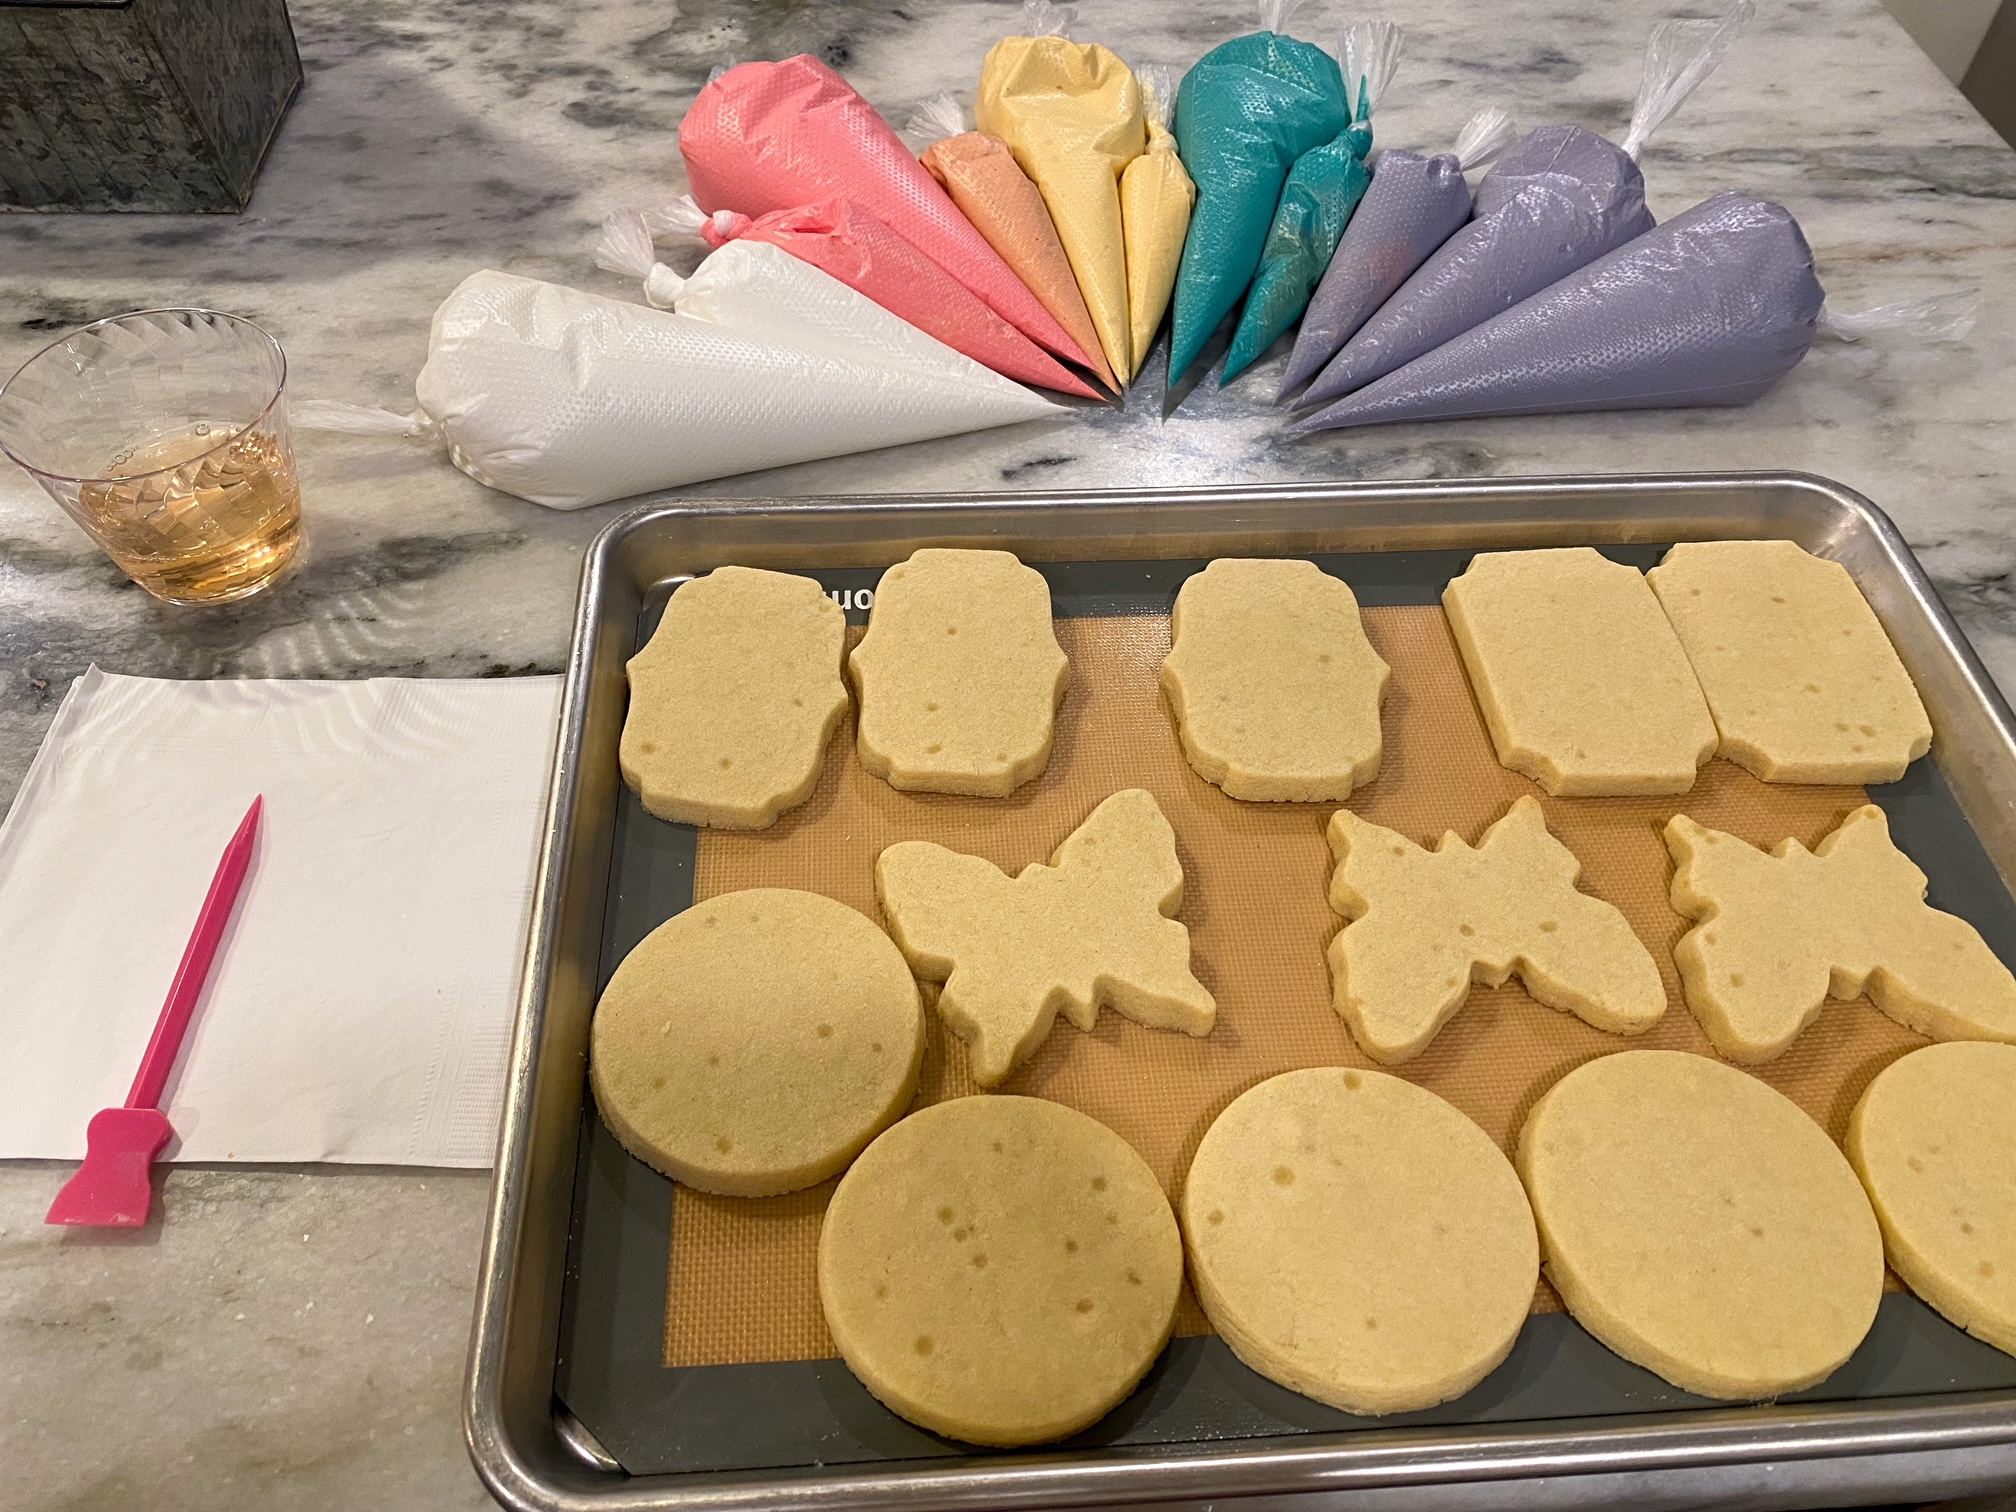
(164, 434)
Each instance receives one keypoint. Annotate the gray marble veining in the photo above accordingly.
(430, 140)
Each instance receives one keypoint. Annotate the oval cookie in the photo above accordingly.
(754, 1043)
(1001, 1270)
(1358, 1240)
(1934, 1141)
(1275, 689)
(733, 698)
(960, 674)
(1700, 1224)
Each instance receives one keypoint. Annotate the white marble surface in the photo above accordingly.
(185, 1367)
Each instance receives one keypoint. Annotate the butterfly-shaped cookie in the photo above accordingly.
(1090, 928)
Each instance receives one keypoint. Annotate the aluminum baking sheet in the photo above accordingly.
(713, 1435)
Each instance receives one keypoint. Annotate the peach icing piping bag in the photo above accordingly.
(1071, 114)
(993, 192)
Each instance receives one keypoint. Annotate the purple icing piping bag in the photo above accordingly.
(1711, 308)
(1413, 205)
(1557, 199)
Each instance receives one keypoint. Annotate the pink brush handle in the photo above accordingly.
(195, 968)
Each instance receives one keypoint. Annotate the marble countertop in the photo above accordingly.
(295, 1338)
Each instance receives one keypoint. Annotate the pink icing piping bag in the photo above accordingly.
(844, 241)
(775, 136)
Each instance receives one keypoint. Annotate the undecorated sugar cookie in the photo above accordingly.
(959, 675)
(1934, 1141)
(1275, 689)
(1701, 1225)
(733, 699)
(1358, 1240)
(1802, 681)
(1425, 924)
(1581, 680)
(1778, 934)
(1092, 927)
(1001, 1270)
(754, 1043)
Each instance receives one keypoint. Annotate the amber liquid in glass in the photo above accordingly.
(197, 523)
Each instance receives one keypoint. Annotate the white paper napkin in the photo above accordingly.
(360, 1008)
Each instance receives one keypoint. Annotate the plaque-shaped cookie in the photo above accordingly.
(733, 699)
(1275, 689)
(959, 675)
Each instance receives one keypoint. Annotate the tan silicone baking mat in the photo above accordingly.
(741, 1275)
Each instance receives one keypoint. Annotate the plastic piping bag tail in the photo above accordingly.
(849, 243)
(1155, 200)
(1071, 114)
(774, 136)
(1323, 190)
(1244, 113)
(1410, 209)
(1942, 318)
(993, 192)
(1711, 308)
(1557, 199)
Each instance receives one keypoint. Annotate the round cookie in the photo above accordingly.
(1934, 1141)
(1001, 1270)
(1359, 1240)
(754, 1043)
(1700, 1224)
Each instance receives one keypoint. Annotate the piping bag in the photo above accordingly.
(1323, 189)
(1245, 112)
(845, 241)
(1071, 114)
(993, 192)
(568, 399)
(1155, 199)
(774, 136)
(1410, 209)
(1711, 308)
(1557, 199)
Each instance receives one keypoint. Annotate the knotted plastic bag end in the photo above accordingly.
(625, 247)
(1042, 18)
(1484, 137)
(934, 120)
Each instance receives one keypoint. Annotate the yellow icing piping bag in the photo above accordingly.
(993, 192)
(1155, 199)
(1071, 114)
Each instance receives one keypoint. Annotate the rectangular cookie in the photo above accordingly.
(1579, 676)
(1802, 681)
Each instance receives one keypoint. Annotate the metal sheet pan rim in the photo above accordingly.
(543, 1475)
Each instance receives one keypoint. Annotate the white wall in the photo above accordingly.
(1950, 31)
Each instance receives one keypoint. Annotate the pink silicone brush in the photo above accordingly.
(113, 1188)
